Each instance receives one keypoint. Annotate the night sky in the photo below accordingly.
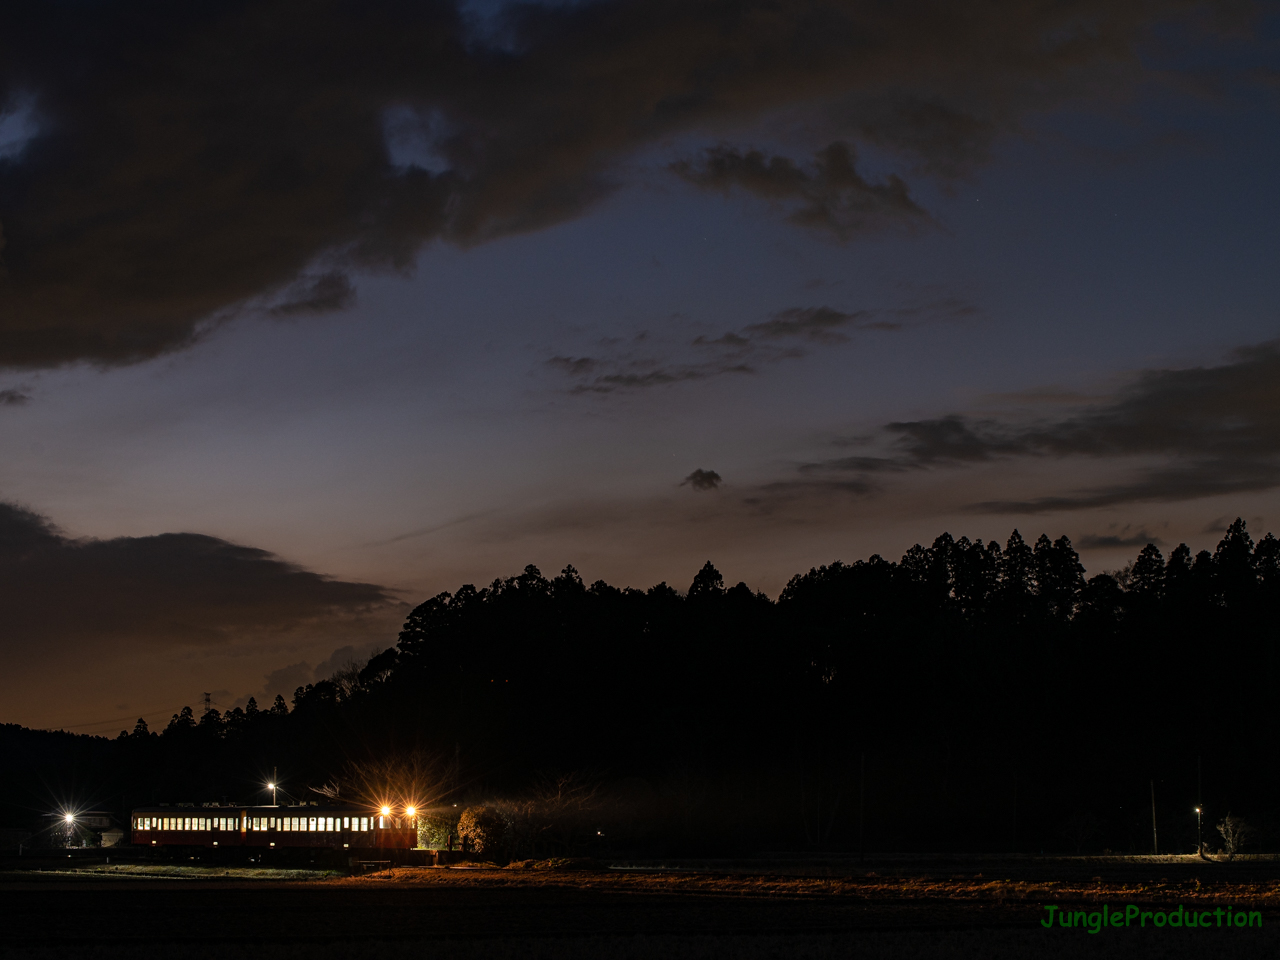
(311, 310)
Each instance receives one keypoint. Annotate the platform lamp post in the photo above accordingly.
(1199, 840)
(272, 787)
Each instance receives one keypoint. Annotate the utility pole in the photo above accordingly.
(1155, 842)
(1200, 809)
(208, 702)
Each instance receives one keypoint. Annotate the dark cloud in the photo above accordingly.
(942, 308)
(69, 594)
(189, 160)
(285, 680)
(820, 324)
(1110, 541)
(631, 373)
(1209, 431)
(746, 350)
(574, 366)
(770, 496)
(834, 198)
(702, 480)
(11, 397)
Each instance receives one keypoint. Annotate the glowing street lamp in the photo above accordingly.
(386, 811)
(272, 788)
(410, 811)
(1199, 841)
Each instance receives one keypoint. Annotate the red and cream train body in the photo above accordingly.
(332, 827)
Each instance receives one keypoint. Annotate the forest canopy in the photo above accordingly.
(982, 696)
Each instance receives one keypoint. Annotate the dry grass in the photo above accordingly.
(972, 889)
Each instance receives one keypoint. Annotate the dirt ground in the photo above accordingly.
(898, 909)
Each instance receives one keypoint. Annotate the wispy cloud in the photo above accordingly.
(14, 397)
(1117, 541)
(787, 334)
(1198, 432)
(831, 196)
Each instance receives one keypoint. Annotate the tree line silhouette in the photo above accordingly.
(970, 696)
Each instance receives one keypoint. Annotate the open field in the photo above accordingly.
(900, 907)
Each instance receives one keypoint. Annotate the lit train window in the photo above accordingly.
(311, 824)
(364, 824)
(329, 824)
(346, 823)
